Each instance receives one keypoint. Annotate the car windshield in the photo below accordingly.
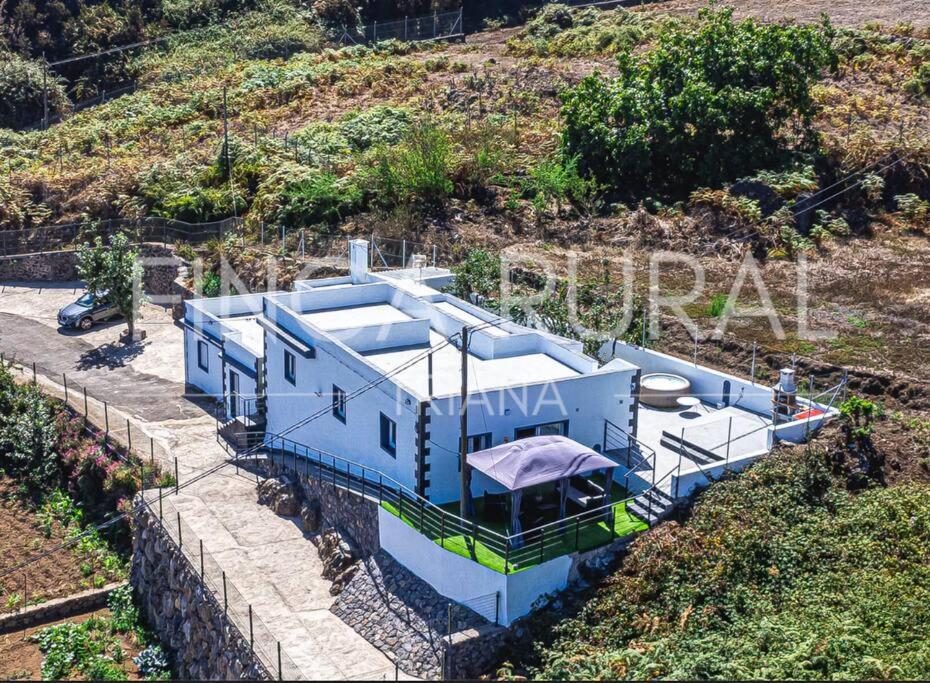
(89, 300)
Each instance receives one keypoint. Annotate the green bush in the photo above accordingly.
(417, 171)
(778, 574)
(705, 105)
(375, 126)
(319, 197)
(21, 92)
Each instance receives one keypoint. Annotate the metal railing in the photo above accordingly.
(223, 591)
(151, 229)
(503, 552)
(437, 26)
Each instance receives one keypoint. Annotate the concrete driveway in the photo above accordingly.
(270, 561)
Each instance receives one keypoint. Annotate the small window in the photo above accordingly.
(476, 442)
(389, 435)
(339, 404)
(203, 356)
(290, 367)
(550, 428)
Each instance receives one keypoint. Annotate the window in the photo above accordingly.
(290, 367)
(549, 428)
(476, 442)
(389, 435)
(339, 404)
(203, 356)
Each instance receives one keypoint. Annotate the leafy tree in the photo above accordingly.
(21, 87)
(706, 104)
(114, 268)
(479, 273)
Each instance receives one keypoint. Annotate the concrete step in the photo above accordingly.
(689, 450)
(652, 506)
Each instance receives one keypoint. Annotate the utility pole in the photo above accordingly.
(463, 429)
(232, 192)
(44, 92)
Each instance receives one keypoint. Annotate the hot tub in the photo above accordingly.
(663, 389)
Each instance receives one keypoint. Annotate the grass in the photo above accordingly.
(533, 552)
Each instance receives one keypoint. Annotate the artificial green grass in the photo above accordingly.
(567, 540)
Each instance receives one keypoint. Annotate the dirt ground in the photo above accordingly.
(54, 576)
(20, 659)
(841, 12)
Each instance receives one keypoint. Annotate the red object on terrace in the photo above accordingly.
(808, 414)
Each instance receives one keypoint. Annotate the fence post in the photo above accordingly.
(65, 378)
(542, 543)
(497, 608)
(251, 632)
(752, 369)
(225, 599)
(85, 404)
(280, 677)
(180, 540)
(176, 479)
(151, 451)
(506, 556)
(577, 529)
(442, 530)
(434, 256)
(128, 437)
(201, 559)
(34, 372)
(403, 254)
(106, 419)
(435, 25)
(405, 28)
(160, 515)
(726, 463)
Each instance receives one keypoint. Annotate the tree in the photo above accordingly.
(708, 103)
(114, 268)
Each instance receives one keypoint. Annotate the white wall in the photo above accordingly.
(706, 383)
(585, 401)
(359, 438)
(463, 580)
(211, 381)
(684, 483)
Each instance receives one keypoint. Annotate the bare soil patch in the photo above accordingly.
(841, 12)
(54, 576)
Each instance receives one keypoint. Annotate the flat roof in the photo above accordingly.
(483, 375)
(253, 337)
(355, 316)
(469, 318)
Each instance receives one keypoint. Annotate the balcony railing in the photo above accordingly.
(496, 549)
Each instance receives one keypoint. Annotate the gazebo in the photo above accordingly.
(539, 460)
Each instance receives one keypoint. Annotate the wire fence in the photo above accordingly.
(438, 26)
(226, 595)
(150, 229)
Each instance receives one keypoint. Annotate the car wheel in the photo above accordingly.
(86, 323)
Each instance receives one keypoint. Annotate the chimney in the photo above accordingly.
(784, 397)
(358, 261)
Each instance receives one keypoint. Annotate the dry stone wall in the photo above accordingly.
(183, 612)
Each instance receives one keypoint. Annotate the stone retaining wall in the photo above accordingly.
(183, 612)
(59, 266)
(350, 514)
(402, 615)
(59, 608)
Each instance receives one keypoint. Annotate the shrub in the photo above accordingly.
(28, 439)
(21, 92)
(706, 104)
(379, 125)
(912, 207)
(417, 170)
(152, 662)
(319, 197)
(557, 180)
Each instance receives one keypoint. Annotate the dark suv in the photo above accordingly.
(87, 310)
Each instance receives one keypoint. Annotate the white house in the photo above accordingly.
(368, 368)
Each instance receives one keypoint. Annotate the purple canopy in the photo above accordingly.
(537, 460)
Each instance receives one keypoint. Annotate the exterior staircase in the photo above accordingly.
(242, 432)
(651, 506)
(690, 450)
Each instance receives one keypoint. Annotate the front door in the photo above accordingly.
(233, 394)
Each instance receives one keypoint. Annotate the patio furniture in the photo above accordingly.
(688, 401)
(539, 460)
(495, 507)
(586, 494)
